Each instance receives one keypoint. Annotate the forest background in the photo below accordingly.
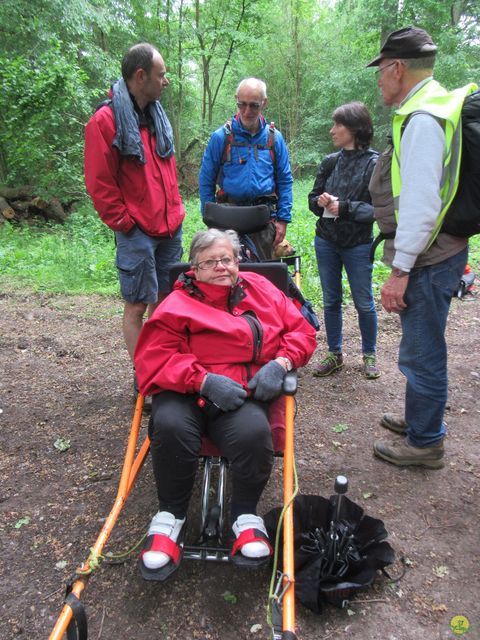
(58, 59)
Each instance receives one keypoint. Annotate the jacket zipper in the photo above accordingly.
(257, 333)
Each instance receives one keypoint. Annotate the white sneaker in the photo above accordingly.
(251, 549)
(163, 523)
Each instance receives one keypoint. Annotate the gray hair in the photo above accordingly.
(254, 83)
(204, 239)
(420, 64)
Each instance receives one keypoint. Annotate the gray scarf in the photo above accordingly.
(127, 138)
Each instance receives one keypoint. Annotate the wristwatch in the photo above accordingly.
(398, 273)
(287, 362)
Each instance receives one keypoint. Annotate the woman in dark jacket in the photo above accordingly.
(341, 200)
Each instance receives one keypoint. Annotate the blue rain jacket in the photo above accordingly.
(248, 175)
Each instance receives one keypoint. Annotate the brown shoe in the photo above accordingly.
(403, 454)
(332, 362)
(394, 423)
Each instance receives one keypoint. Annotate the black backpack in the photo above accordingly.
(463, 216)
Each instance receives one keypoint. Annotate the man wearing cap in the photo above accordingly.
(248, 159)
(411, 187)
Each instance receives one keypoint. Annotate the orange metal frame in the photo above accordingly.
(131, 468)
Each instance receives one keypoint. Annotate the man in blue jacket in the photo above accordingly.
(248, 159)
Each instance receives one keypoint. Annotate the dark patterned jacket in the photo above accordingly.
(345, 174)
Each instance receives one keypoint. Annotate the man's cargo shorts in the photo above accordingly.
(144, 262)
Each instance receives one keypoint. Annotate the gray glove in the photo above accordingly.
(268, 381)
(225, 393)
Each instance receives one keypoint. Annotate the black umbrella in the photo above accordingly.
(338, 549)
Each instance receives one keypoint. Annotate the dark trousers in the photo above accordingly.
(243, 436)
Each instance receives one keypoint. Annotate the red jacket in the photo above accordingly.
(126, 192)
(193, 332)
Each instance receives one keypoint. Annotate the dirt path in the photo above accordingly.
(65, 375)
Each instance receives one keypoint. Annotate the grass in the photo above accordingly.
(79, 256)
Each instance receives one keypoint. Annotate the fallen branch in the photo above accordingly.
(14, 193)
(17, 205)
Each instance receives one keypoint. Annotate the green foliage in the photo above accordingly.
(58, 59)
(41, 135)
(79, 256)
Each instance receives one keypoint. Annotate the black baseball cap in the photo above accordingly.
(409, 42)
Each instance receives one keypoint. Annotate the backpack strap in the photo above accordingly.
(331, 164)
(271, 145)
(104, 103)
(227, 142)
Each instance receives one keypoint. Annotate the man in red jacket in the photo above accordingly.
(130, 174)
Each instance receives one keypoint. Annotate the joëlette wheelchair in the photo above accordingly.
(210, 542)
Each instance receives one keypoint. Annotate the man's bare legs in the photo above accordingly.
(133, 314)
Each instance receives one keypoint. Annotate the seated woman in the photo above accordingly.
(229, 338)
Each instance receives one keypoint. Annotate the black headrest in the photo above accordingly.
(241, 219)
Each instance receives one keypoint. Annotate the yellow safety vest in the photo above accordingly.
(445, 105)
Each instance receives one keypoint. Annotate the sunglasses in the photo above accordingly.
(254, 106)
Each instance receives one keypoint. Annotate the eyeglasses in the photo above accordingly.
(380, 70)
(254, 106)
(205, 265)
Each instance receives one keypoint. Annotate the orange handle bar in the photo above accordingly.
(288, 610)
(131, 467)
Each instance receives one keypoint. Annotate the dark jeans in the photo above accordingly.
(243, 436)
(356, 260)
(423, 349)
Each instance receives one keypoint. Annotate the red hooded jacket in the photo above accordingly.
(233, 331)
(126, 192)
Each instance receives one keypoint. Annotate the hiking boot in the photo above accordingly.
(403, 454)
(370, 368)
(332, 362)
(394, 423)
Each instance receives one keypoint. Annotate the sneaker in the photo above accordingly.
(403, 454)
(370, 368)
(163, 525)
(394, 423)
(249, 527)
(332, 362)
